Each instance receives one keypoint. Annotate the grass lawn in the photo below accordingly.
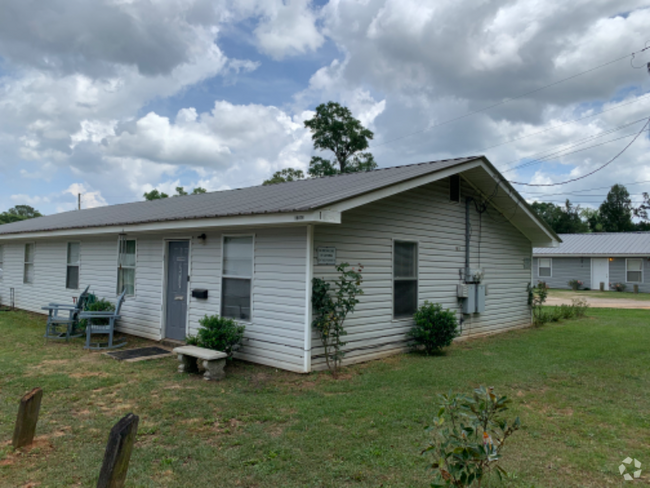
(580, 388)
(606, 295)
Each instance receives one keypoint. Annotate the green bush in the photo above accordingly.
(580, 307)
(218, 333)
(618, 286)
(434, 328)
(95, 305)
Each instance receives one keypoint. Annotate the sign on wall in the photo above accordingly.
(326, 255)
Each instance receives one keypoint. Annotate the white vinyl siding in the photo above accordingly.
(237, 277)
(424, 215)
(405, 279)
(126, 265)
(634, 270)
(1, 260)
(545, 269)
(72, 266)
(28, 263)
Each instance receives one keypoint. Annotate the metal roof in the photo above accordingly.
(600, 244)
(296, 196)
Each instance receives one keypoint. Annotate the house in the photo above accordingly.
(597, 259)
(419, 230)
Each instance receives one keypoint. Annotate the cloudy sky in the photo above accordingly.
(112, 98)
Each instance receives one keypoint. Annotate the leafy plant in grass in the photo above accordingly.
(575, 284)
(468, 436)
(434, 328)
(331, 305)
(95, 305)
(218, 333)
(580, 307)
(536, 297)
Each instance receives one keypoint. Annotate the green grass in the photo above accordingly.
(580, 388)
(606, 295)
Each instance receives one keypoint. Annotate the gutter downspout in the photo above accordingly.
(308, 312)
(467, 238)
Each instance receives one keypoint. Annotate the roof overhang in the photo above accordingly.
(487, 180)
(613, 255)
(278, 219)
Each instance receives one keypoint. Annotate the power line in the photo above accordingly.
(591, 172)
(587, 189)
(508, 100)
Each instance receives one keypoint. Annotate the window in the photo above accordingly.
(1, 261)
(405, 279)
(634, 270)
(236, 277)
(126, 267)
(72, 272)
(544, 267)
(454, 188)
(28, 274)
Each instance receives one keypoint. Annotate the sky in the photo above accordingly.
(113, 98)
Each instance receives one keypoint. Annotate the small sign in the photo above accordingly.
(326, 255)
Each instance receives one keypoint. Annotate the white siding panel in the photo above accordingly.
(424, 215)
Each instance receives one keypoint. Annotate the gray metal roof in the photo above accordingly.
(600, 244)
(297, 196)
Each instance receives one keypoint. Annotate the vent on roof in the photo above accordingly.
(454, 188)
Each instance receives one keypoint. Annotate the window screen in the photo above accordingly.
(28, 274)
(405, 281)
(126, 266)
(236, 277)
(72, 271)
(634, 270)
(544, 269)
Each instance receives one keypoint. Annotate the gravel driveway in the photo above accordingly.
(600, 302)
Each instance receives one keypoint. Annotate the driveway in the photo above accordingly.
(600, 302)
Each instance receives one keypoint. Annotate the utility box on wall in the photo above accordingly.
(480, 298)
(469, 303)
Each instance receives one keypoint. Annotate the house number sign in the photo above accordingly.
(326, 255)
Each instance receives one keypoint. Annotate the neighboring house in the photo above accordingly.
(251, 254)
(599, 257)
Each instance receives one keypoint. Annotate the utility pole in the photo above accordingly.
(78, 201)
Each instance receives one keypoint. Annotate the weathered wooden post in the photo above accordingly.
(602, 286)
(636, 289)
(30, 405)
(118, 452)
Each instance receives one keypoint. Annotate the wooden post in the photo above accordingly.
(27, 418)
(602, 286)
(636, 289)
(118, 452)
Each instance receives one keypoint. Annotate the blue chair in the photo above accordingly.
(102, 323)
(63, 318)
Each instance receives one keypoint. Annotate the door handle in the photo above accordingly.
(179, 298)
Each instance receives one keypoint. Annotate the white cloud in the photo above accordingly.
(89, 199)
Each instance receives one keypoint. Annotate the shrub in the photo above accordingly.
(575, 284)
(580, 307)
(469, 434)
(434, 328)
(331, 306)
(617, 286)
(536, 298)
(218, 333)
(95, 305)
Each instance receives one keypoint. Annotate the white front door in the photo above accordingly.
(599, 273)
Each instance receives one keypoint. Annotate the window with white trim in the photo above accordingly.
(405, 278)
(126, 266)
(634, 270)
(28, 270)
(237, 275)
(1, 261)
(544, 267)
(72, 268)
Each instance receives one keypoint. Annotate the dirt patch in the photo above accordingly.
(41, 446)
(600, 302)
(96, 374)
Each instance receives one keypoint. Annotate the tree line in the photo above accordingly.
(615, 214)
(18, 213)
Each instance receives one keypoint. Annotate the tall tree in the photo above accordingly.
(592, 217)
(19, 212)
(284, 175)
(154, 195)
(617, 210)
(334, 129)
(563, 220)
(180, 192)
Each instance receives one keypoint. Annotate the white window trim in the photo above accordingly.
(135, 267)
(642, 273)
(251, 278)
(393, 279)
(25, 263)
(67, 265)
(539, 265)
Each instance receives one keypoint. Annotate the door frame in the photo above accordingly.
(163, 294)
(593, 282)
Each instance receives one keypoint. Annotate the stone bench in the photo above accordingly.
(213, 361)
